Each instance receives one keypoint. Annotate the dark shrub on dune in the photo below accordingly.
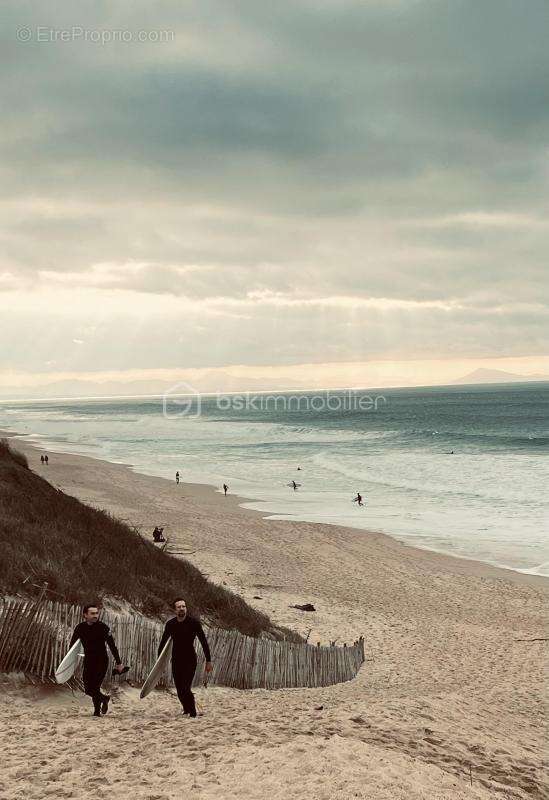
(83, 552)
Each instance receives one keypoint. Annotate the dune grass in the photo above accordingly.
(85, 554)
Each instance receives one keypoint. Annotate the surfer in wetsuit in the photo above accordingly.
(358, 499)
(94, 635)
(183, 630)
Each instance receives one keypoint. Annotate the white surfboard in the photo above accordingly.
(158, 670)
(67, 667)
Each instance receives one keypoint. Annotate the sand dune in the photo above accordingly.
(447, 684)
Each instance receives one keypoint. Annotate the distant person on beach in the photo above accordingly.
(177, 477)
(358, 499)
(225, 489)
(158, 534)
(42, 459)
(94, 635)
(183, 629)
(46, 459)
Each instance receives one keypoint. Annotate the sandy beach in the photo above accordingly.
(448, 704)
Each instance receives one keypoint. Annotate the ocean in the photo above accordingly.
(460, 470)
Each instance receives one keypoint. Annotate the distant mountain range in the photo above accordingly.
(142, 388)
(210, 382)
(497, 376)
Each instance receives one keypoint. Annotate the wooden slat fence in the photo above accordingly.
(34, 637)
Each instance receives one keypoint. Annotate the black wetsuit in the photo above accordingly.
(184, 657)
(94, 637)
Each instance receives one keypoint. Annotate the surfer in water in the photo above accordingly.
(358, 499)
(225, 489)
(94, 635)
(183, 629)
(294, 486)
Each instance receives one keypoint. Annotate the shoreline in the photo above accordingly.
(206, 491)
(453, 680)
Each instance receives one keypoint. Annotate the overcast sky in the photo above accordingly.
(271, 185)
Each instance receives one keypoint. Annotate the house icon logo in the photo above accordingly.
(181, 400)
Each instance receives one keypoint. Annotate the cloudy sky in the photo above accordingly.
(274, 193)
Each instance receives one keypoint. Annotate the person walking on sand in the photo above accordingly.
(183, 629)
(94, 635)
(177, 477)
(41, 459)
(46, 459)
(358, 499)
(225, 489)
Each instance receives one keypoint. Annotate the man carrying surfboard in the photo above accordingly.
(94, 635)
(183, 630)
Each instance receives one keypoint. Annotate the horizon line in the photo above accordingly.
(162, 395)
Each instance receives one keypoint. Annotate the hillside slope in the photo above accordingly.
(85, 554)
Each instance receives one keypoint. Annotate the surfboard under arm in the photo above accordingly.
(158, 669)
(67, 667)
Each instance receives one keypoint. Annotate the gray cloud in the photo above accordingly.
(309, 149)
